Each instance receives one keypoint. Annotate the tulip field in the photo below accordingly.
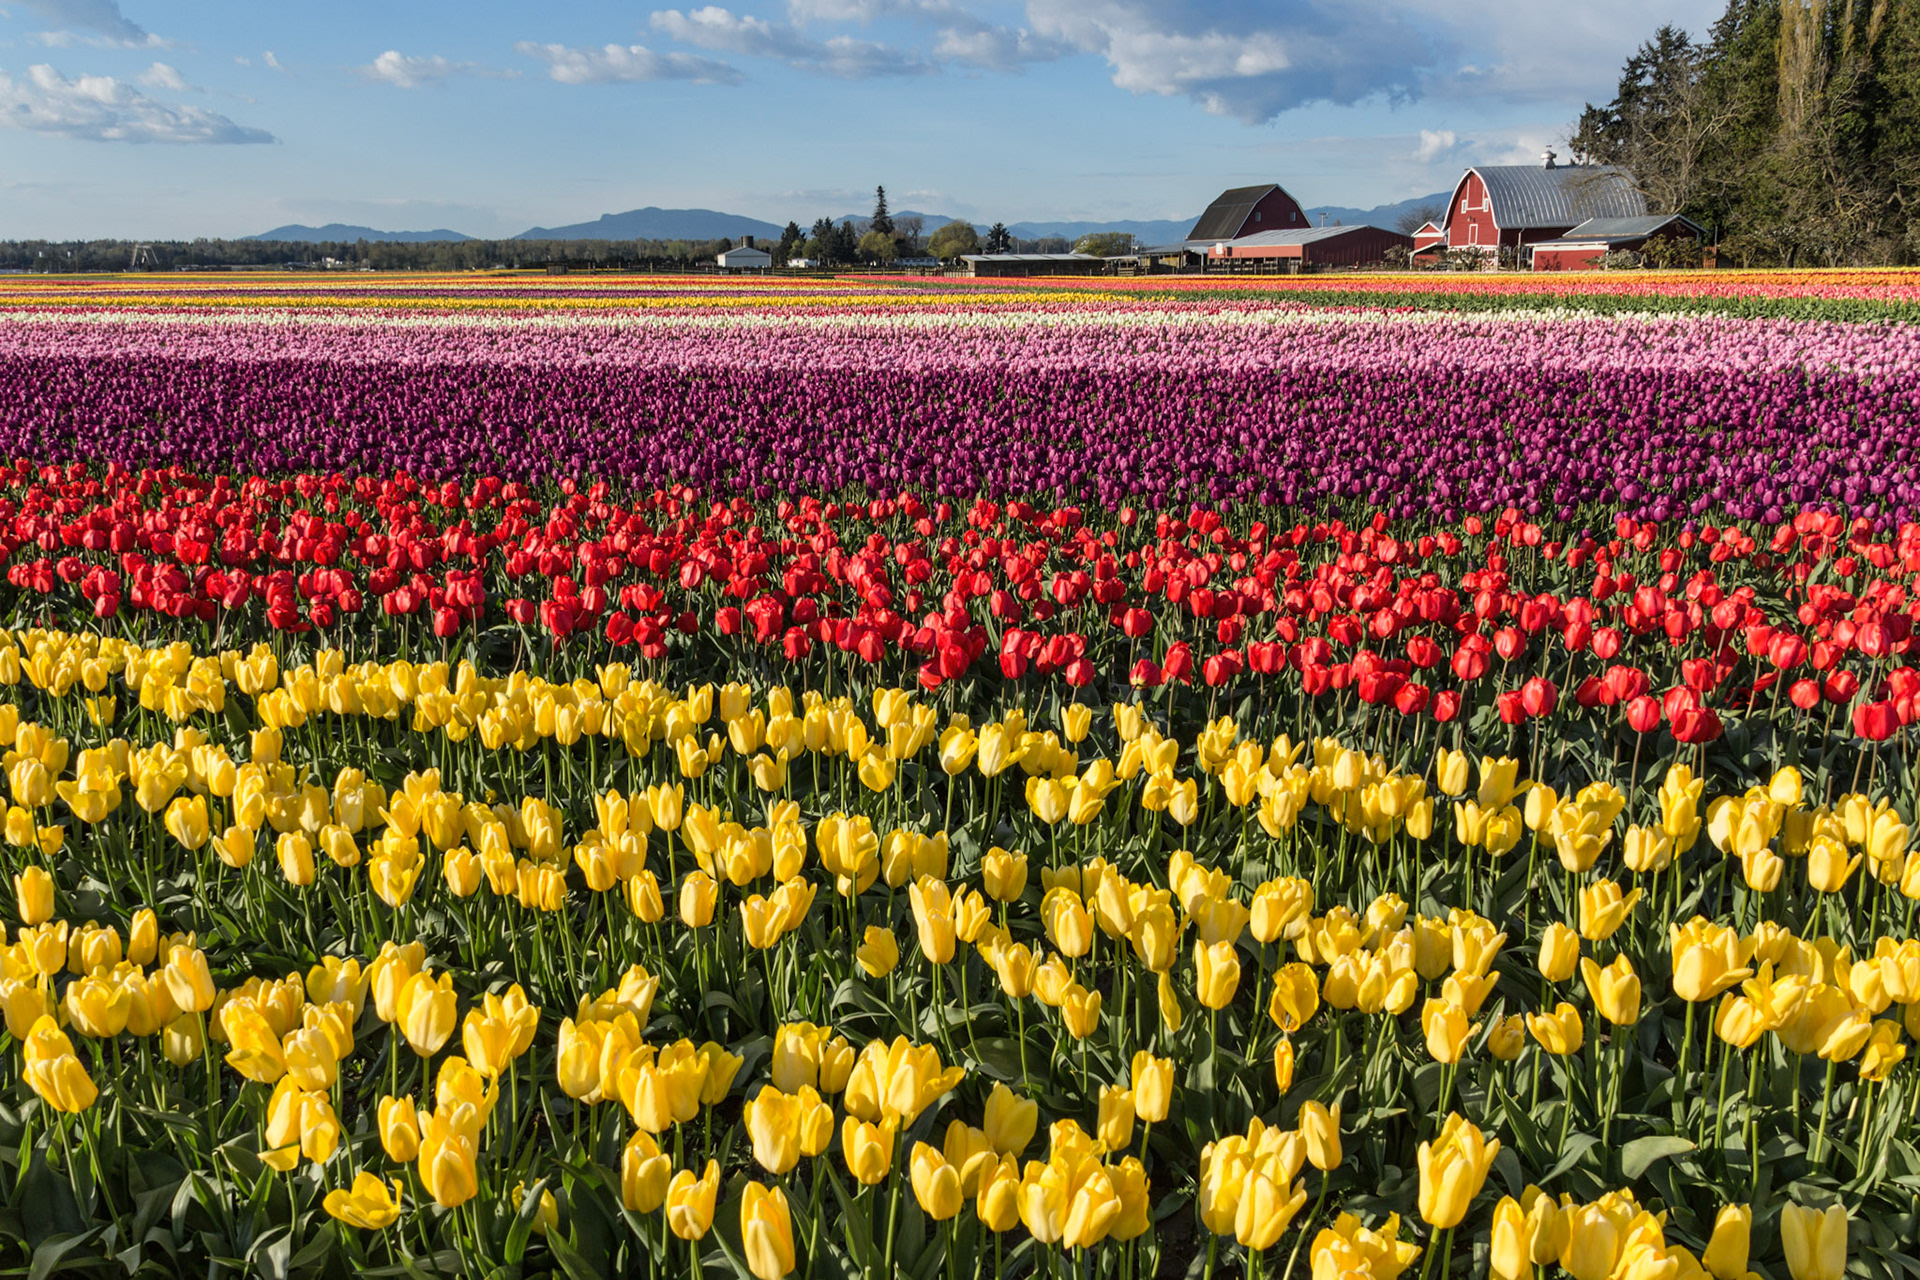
(1350, 776)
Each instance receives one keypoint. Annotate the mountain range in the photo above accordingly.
(653, 223)
(340, 231)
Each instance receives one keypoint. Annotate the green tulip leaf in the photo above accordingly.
(1636, 1155)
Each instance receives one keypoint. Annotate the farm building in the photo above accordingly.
(1429, 240)
(983, 265)
(745, 258)
(1246, 211)
(1517, 206)
(1582, 248)
(1305, 247)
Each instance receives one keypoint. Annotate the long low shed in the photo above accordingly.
(1033, 264)
(1313, 246)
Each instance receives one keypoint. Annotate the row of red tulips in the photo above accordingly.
(1648, 626)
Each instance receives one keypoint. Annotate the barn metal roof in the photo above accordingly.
(1299, 235)
(1228, 212)
(1030, 257)
(1628, 228)
(1535, 196)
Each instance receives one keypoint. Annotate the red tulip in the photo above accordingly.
(1643, 714)
(1539, 696)
(1469, 664)
(1696, 725)
(1179, 663)
(1876, 721)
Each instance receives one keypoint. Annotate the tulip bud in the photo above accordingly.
(1725, 1256)
(1815, 1243)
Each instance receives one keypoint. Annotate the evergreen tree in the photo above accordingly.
(999, 239)
(1792, 131)
(882, 221)
(790, 241)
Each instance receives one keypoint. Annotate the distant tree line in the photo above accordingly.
(380, 255)
(879, 240)
(1792, 131)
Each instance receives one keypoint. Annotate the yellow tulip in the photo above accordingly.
(1447, 1028)
(878, 952)
(867, 1148)
(1453, 1167)
(1603, 910)
(1283, 1065)
(698, 897)
(997, 1203)
(766, 1231)
(1296, 996)
(426, 1012)
(369, 1205)
(1004, 874)
(1266, 1208)
(936, 1183)
(1815, 1242)
(1560, 1032)
(1010, 1120)
(1217, 974)
(33, 895)
(1115, 1127)
(644, 1174)
(1080, 1008)
(1151, 1081)
(1320, 1126)
(1725, 1256)
(1615, 990)
(1510, 1258)
(690, 1201)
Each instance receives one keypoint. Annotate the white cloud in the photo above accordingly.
(723, 31)
(1434, 143)
(996, 48)
(405, 72)
(1556, 52)
(162, 76)
(1245, 58)
(102, 109)
(868, 10)
(272, 61)
(617, 63)
(100, 16)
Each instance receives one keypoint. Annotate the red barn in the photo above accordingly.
(1245, 211)
(1516, 206)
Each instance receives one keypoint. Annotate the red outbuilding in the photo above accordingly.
(1517, 206)
(1582, 248)
(1354, 246)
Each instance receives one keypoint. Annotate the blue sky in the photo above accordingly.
(161, 120)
